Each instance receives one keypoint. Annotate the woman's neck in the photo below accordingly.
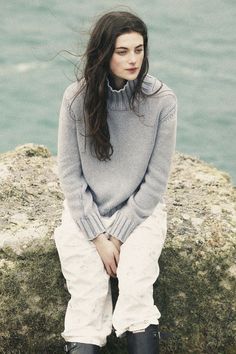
(116, 83)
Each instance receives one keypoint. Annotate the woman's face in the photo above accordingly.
(127, 58)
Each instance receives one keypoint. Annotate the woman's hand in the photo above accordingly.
(108, 252)
(116, 242)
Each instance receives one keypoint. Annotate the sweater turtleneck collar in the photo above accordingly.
(119, 99)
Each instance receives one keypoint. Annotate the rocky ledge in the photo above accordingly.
(195, 291)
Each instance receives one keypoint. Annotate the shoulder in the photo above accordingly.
(160, 96)
(74, 90)
(155, 88)
(73, 97)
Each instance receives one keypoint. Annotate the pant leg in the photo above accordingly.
(137, 271)
(88, 316)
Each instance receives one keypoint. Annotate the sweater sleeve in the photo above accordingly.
(76, 191)
(150, 192)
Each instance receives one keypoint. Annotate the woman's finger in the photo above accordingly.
(113, 266)
(117, 257)
(109, 271)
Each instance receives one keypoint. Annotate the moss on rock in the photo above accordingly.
(195, 291)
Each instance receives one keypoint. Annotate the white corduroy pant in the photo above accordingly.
(90, 315)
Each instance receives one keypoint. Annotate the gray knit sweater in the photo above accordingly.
(134, 181)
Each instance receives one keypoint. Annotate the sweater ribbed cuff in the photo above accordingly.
(121, 228)
(92, 226)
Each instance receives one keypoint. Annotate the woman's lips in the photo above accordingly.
(132, 70)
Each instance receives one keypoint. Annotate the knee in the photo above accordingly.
(132, 279)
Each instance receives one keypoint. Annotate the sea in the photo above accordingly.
(192, 48)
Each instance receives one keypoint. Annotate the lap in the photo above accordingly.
(138, 255)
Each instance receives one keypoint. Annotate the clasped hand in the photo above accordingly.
(109, 251)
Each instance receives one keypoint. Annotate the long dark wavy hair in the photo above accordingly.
(97, 56)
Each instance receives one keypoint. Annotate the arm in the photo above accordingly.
(141, 204)
(79, 198)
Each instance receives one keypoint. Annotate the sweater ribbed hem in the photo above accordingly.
(121, 228)
(92, 226)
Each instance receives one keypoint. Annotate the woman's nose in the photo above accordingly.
(132, 58)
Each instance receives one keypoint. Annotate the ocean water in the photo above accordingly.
(192, 49)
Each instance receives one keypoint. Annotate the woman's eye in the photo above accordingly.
(121, 53)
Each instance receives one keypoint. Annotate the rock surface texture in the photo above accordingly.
(195, 291)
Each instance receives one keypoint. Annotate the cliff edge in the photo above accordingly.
(195, 291)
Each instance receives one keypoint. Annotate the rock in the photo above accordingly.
(195, 291)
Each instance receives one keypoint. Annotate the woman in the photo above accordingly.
(116, 138)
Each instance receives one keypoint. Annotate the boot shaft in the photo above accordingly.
(81, 348)
(144, 342)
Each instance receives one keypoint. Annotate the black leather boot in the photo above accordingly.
(146, 342)
(81, 348)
